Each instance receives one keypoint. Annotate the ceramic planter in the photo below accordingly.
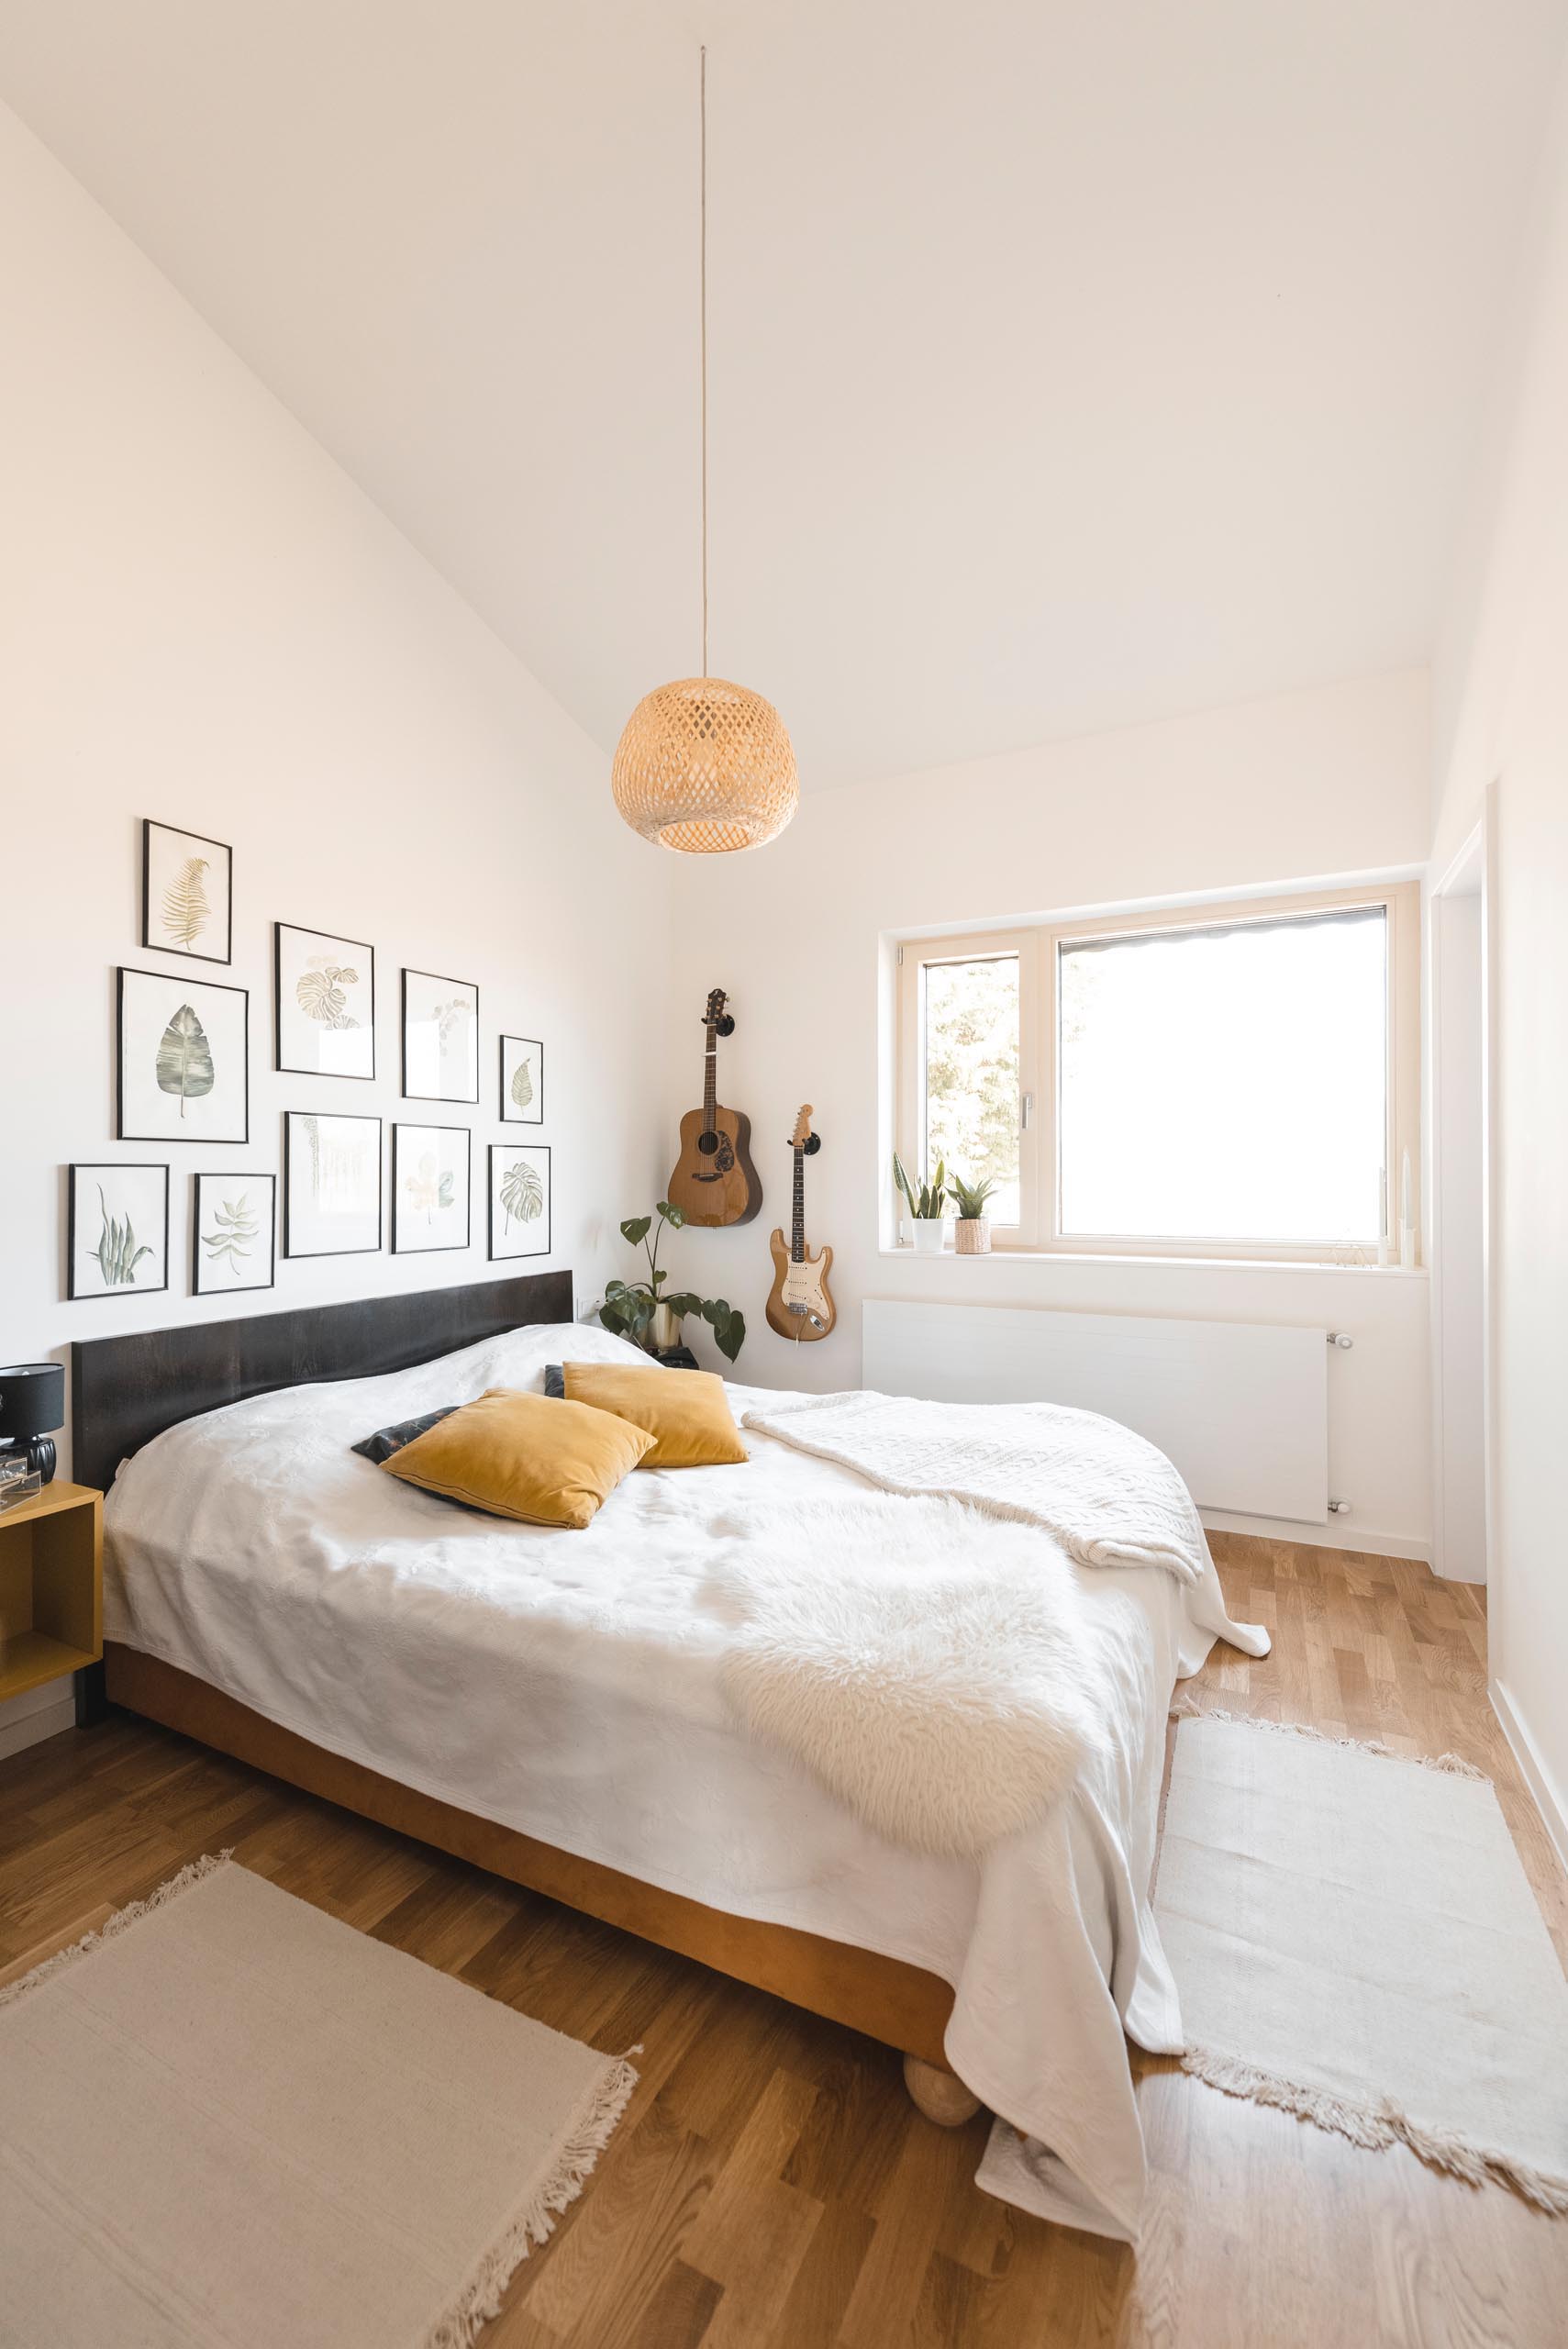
(929, 1232)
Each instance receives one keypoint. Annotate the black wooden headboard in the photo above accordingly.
(124, 1391)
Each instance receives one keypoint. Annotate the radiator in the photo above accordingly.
(1240, 1408)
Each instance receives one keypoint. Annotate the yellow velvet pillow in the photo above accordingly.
(686, 1412)
(524, 1456)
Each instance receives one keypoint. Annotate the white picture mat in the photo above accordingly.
(147, 1002)
(515, 1049)
(140, 1192)
(312, 1046)
(423, 1157)
(440, 1038)
(333, 1183)
(166, 852)
(512, 1235)
(252, 1262)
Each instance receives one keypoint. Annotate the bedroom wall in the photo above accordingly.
(1289, 790)
(205, 622)
(1502, 698)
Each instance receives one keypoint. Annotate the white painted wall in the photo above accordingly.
(203, 620)
(1459, 1429)
(1503, 699)
(1289, 790)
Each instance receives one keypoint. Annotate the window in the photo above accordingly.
(1232, 1080)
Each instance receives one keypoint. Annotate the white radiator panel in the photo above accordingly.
(1240, 1408)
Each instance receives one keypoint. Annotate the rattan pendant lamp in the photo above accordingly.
(705, 766)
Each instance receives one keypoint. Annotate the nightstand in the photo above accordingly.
(51, 1586)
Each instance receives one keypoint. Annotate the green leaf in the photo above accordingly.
(636, 1228)
(674, 1217)
(658, 1275)
(184, 1058)
(729, 1335)
(615, 1288)
(681, 1302)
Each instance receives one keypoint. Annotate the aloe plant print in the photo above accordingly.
(117, 1254)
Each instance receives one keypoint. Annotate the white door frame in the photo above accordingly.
(1474, 860)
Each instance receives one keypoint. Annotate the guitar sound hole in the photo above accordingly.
(707, 1145)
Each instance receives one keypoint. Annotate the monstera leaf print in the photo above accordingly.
(234, 1229)
(184, 1058)
(429, 1187)
(319, 992)
(522, 1194)
(523, 1083)
(185, 911)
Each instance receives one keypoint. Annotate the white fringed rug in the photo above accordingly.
(228, 2118)
(1354, 1939)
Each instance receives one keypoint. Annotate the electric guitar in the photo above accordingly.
(714, 1181)
(799, 1304)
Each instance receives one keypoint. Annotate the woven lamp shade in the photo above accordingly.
(706, 766)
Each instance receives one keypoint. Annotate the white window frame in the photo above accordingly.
(1037, 945)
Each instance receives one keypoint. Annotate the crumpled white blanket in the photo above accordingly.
(1109, 1496)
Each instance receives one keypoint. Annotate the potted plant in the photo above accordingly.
(648, 1313)
(971, 1233)
(926, 1217)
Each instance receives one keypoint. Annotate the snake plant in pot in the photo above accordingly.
(650, 1314)
(971, 1233)
(926, 1201)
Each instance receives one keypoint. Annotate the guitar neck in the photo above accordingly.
(798, 1240)
(709, 1084)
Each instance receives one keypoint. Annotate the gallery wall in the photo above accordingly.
(1289, 790)
(205, 623)
(1503, 699)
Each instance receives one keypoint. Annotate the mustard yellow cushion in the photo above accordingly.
(524, 1456)
(686, 1412)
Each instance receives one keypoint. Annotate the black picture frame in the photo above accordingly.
(330, 937)
(236, 1288)
(372, 1247)
(214, 986)
(400, 1126)
(515, 1117)
(514, 1255)
(151, 945)
(110, 1167)
(437, 979)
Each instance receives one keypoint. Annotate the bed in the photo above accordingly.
(548, 1706)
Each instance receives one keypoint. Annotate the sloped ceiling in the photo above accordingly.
(1074, 362)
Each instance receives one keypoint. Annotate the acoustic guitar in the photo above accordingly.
(714, 1181)
(799, 1303)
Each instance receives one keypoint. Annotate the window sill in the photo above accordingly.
(908, 1255)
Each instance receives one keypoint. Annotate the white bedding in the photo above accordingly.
(567, 1684)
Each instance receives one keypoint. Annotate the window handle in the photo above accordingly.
(1026, 1112)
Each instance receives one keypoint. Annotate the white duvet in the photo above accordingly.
(569, 1684)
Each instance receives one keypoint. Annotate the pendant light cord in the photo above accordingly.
(703, 280)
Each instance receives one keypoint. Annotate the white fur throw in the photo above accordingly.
(925, 1664)
(1109, 1496)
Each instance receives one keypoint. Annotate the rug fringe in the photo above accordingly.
(1377, 2127)
(480, 2299)
(1452, 1766)
(132, 1915)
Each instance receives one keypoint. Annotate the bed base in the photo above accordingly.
(901, 2005)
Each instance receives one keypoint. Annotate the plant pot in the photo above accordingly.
(972, 1235)
(665, 1329)
(929, 1232)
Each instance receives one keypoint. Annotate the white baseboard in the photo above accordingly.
(37, 1722)
(1340, 1533)
(1545, 1791)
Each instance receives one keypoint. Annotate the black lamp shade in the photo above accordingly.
(32, 1399)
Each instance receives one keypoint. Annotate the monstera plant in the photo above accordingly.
(631, 1307)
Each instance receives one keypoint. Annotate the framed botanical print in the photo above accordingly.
(116, 1231)
(332, 1185)
(182, 1058)
(519, 1200)
(187, 889)
(324, 1003)
(522, 1081)
(233, 1233)
(440, 1038)
(431, 1190)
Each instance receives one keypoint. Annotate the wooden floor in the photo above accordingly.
(771, 2186)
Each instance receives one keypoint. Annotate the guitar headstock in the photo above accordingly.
(802, 1133)
(715, 1019)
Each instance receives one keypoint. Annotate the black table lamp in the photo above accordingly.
(32, 1404)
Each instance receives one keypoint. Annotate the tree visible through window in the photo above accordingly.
(970, 1049)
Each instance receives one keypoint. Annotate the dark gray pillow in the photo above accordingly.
(555, 1380)
(386, 1440)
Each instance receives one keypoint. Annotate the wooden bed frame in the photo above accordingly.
(126, 1390)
